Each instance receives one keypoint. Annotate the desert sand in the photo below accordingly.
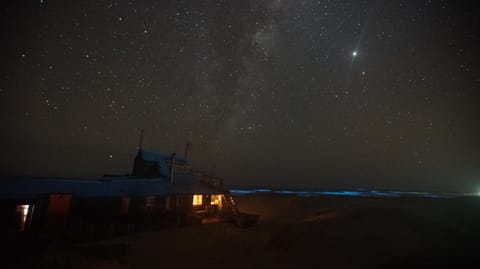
(298, 232)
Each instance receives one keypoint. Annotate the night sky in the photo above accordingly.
(291, 93)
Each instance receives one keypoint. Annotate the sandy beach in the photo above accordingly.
(297, 232)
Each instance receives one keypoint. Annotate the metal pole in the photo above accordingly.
(172, 167)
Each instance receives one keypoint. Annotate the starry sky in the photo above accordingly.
(290, 93)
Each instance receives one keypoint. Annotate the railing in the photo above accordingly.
(203, 176)
(215, 182)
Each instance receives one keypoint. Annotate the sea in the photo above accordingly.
(356, 192)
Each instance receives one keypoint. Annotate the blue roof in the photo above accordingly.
(124, 186)
(33, 187)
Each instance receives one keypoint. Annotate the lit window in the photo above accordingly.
(197, 199)
(23, 212)
(216, 199)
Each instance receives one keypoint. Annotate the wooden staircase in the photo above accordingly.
(233, 213)
(232, 208)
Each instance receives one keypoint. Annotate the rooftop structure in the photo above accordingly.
(162, 189)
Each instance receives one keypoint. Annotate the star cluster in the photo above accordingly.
(269, 92)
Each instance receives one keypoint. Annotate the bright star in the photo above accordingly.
(354, 54)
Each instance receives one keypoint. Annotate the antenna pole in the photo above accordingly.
(187, 149)
(172, 167)
(140, 143)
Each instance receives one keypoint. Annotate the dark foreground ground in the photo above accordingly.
(297, 232)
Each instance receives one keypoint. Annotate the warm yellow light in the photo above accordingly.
(23, 210)
(216, 199)
(197, 199)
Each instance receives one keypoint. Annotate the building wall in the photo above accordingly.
(64, 215)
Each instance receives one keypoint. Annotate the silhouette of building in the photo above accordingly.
(162, 190)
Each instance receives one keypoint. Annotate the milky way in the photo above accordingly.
(322, 94)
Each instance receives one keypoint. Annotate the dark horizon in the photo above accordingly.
(332, 95)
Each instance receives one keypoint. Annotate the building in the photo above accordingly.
(163, 190)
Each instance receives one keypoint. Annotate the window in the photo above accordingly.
(167, 202)
(124, 205)
(59, 204)
(197, 199)
(150, 201)
(22, 210)
(216, 199)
